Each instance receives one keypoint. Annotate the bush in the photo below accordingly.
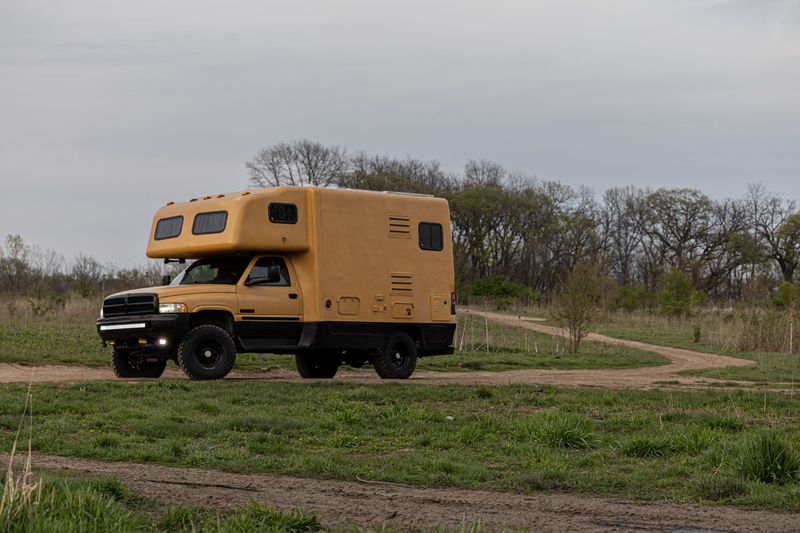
(500, 288)
(559, 430)
(632, 298)
(677, 295)
(786, 295)
(577, 303)
(766, 458)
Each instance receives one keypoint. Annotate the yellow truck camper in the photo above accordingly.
(332, 276)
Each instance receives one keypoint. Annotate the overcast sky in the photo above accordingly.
(110, 109)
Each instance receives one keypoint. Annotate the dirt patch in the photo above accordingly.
(641, 378)
(403, 507)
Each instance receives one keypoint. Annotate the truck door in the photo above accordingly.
(270, 305)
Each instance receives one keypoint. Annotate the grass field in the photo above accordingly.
(644, 445)
(716, 334)
(69, 337)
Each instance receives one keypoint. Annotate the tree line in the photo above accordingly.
(514, 226)
(513, 233)
(42, 278)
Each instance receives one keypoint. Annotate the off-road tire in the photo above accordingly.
(317, 364)
(399, 359)
(128, 367)
(207, 352)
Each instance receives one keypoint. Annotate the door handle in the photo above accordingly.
(293, 296)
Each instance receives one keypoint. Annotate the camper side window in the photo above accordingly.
(213, 222)
(282, 213)
(259, 274)
(430, 236)
(168, 228)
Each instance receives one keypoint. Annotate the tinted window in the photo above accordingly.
(430, 236)
(219, 270)
(209, 222)
(260, 272)
(167, 228)
(282, 213)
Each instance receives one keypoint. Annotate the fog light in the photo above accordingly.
(162, 342)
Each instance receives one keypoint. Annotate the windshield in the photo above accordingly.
(219, 270)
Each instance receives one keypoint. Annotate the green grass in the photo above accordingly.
(644, 445)
(70, 338)
(105, 505)
(769, 367)
(512, 348)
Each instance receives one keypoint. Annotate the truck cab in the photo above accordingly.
(305, 279)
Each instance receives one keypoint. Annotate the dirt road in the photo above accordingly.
(403, 507)
(640, 378)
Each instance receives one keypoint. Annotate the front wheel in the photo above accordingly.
(399, 359)
(317, 364)
(207, 352)
(125, 366)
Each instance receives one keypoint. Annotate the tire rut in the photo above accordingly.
(402, 507)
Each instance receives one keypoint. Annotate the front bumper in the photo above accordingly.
(142, 332)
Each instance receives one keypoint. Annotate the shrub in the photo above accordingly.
(766, 458)
(559, 430)
(577, 303)
(632, 298)
(500, 288)
(677, 294)
(786, 295)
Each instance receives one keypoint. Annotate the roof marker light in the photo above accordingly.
(245, 193)
(206, 197)
(170, 202)
(220, 196)
(193, 200)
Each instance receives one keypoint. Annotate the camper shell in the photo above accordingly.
(331, 275)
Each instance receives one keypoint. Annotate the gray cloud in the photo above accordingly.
(111, 109)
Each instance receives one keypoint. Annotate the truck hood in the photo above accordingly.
(172, 291)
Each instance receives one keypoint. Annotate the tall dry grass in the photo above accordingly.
(21, 491)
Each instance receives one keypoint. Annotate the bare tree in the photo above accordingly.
(297, 163)
(777, 234)
(383, 173)
(86, 274)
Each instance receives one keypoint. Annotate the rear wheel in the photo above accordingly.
(207, 352)
(399, 359)
(317, 364)
(127, 366)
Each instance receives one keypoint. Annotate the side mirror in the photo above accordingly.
(166, 280)
(273, 274)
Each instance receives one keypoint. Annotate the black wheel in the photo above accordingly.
(207, 352)
(399, 359)
(126, 366)
(316, 364)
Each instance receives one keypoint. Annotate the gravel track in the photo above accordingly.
(638, 378)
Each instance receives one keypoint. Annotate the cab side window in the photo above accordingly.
(261, 268)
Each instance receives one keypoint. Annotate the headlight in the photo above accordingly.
(171, 308)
